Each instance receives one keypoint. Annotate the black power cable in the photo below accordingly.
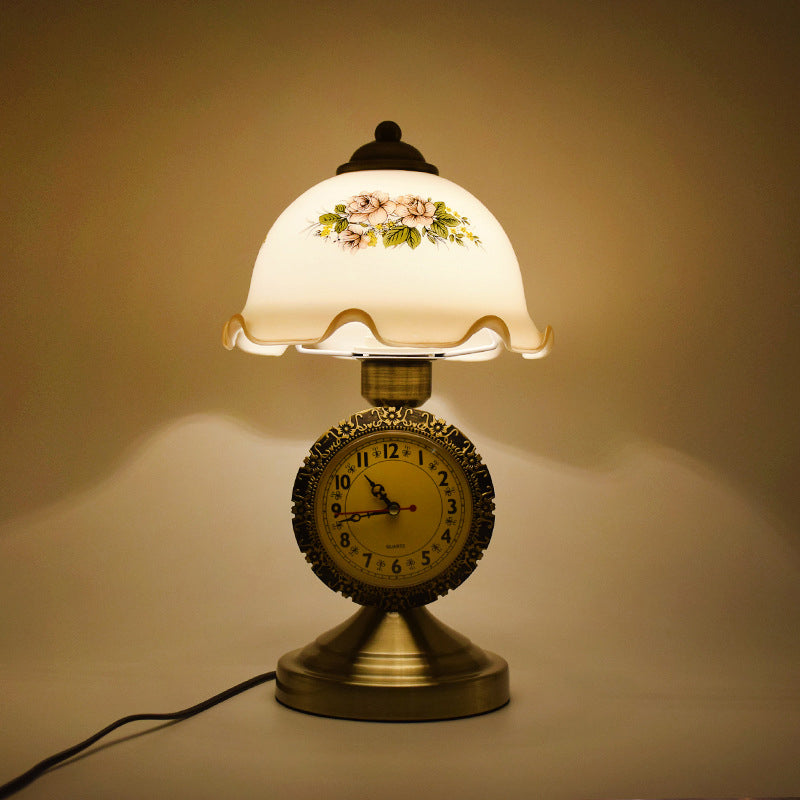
(36, 771)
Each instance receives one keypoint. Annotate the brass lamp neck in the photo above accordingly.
(396, 381)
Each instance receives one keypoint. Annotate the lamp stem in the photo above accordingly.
(396, 381)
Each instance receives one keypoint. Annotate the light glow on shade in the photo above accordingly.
(387, 263)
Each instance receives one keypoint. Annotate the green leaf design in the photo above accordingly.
(396, 236)
(438, 229)
(447, 219)
(447, 226)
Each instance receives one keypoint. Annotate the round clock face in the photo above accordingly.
(393, 507)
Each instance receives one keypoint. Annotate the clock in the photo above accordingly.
(393, 507)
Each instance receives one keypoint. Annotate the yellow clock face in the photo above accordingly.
(393, 507)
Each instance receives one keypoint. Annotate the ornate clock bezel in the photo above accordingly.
(393, 419)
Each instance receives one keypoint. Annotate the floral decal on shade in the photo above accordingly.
(364, 220)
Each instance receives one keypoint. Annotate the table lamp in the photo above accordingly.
(390, 264)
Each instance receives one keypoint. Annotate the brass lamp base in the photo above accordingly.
(392, 666)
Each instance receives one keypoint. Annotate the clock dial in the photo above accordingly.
(393, 507)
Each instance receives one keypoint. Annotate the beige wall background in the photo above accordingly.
(642, 157)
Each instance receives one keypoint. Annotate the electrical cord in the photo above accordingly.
(36, 771)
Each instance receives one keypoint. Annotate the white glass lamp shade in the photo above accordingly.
(387, 262)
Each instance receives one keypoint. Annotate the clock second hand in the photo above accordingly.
(355, 516)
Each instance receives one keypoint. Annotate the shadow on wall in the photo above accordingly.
(653, 574)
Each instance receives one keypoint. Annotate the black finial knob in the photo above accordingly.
(387, 152)
(388, 131)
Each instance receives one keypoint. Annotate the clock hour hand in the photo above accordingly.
(378, 491)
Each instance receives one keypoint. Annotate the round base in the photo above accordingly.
(392, 666)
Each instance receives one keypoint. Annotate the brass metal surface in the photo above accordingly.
(396, 381)
(392, 666)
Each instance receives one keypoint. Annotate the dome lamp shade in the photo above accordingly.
(387, 259)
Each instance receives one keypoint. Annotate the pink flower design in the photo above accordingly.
(415, 211)
(372, 218)
(353, 238)
(372, 209)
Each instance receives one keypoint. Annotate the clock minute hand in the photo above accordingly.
(356, 516)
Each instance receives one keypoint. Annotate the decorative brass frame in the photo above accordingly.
(409, 421)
